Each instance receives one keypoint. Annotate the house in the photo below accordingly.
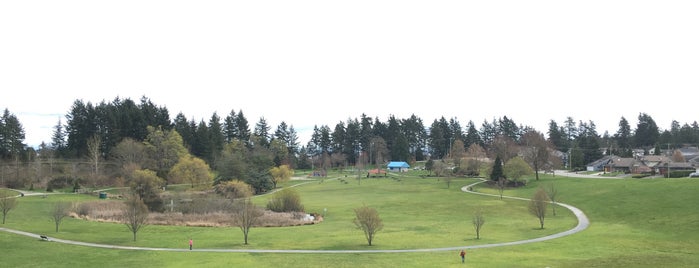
(398, 166)
(600, 164)
(655, 161)
(618, 164)
(664, 168)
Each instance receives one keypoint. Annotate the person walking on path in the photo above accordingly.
(191, 243)
(463, 256)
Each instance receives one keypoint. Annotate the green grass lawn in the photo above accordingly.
(634, 223)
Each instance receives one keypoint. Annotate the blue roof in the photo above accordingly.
(398, 165)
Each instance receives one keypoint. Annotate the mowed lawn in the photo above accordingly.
(634, 223)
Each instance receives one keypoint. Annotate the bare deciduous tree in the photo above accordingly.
(537, 205)
(505, 147)
(135, 214)
(60, 210)
(94, 153)
(439, 168)
(245, 215)
(367, 219)
(7, 203)
(678, 157)
(535, 149)
(478, 221)
(476, 154)
(552, 193)
(502, 184)
(458, 152)
(448, 180)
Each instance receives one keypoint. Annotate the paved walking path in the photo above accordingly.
(583, 223)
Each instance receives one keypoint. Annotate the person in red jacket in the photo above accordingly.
(463, 256)
(190, 244)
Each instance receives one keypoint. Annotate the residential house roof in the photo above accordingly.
(654, 160)
(599, 164)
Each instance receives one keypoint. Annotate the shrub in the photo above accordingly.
(287, 200)
(233, 189)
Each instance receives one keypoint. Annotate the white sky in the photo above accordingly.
(321, 62)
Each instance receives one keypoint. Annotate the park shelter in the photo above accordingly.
(398, 166)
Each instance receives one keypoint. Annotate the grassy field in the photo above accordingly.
(634, 223)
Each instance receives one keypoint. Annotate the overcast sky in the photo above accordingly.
(321, 62)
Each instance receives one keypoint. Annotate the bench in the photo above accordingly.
(43, 237)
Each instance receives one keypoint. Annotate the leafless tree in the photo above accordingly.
(478, 221)
(448, 180)
(367, 219)
(60, 210)
(476, 154)
(502, 184)
(379, 150)
(535, 149)
(458, 151)
(678, 157)
(552, 193)
(439, 167)
(7, 203)
(505, 147)
(537, 205)
(94, 153)
(135, 214)
(245, 215)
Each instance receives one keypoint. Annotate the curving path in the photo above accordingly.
(583, 223)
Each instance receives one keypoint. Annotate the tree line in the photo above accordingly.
(235, 149)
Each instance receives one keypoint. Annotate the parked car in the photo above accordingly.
(694, 174)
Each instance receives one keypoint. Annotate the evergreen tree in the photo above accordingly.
(153, 116)
(303, 161)
(313, 146)
(351, 145)
(623, 136)
(647, 132)
(202, 145)
(243, 128)
(184, 128)
(80, 126)
(472, 136)
(416, 135)
(455, 129)
(588, 142)
(325, 140)
(436, 141)
(261, 132)
(339, 139)
(488, 132)
(508, 128)
(557, 137)
(58, 139)
(11, 136)
(230, 127)
(216, 138)
(497, 173)
(365, 132)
